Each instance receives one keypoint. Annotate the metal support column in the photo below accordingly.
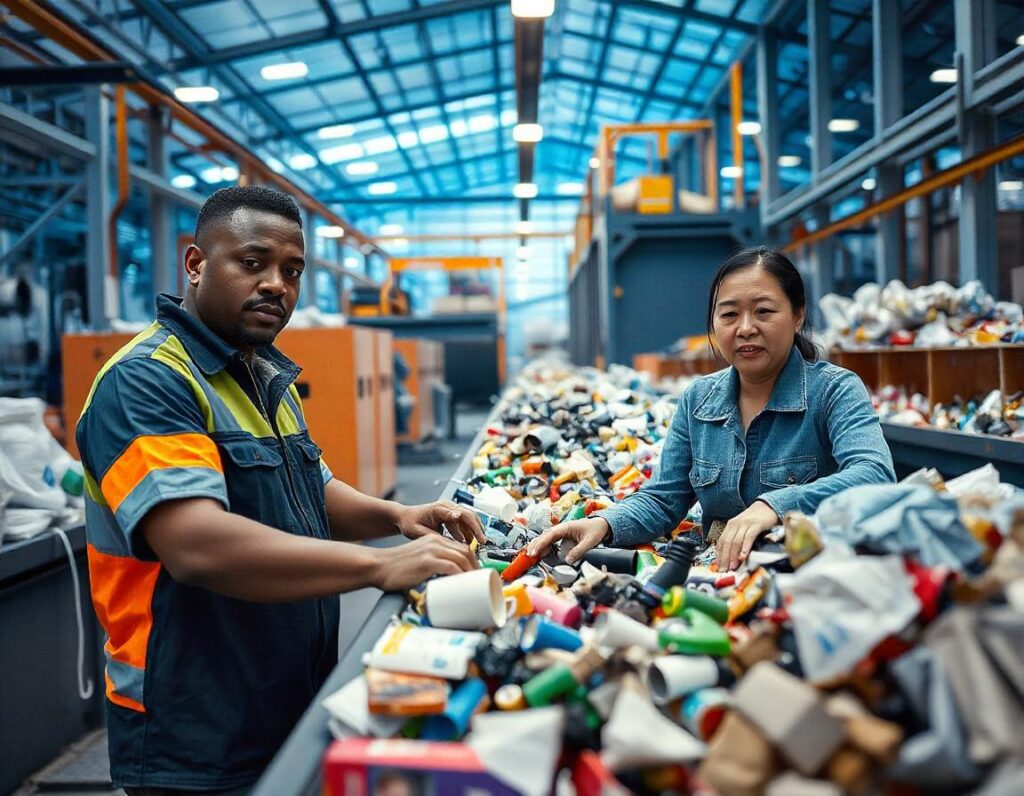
(976, 46)
(888, 92)
(822, 258)
(101, 300)
(160, 209)
(768, 113)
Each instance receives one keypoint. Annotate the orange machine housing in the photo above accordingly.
(346, 388)
(425, 359)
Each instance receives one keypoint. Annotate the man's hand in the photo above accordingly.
(585, 533)
(402, 567)
(462, 523)
(741, 532)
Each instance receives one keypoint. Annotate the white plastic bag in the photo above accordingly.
(32, 462)
(843, 605)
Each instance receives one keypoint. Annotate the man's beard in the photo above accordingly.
(246, 337)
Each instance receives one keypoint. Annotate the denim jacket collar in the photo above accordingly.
(209, 351)
(788, 395)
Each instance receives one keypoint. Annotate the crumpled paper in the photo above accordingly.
(520, 748)
(843, 605)
(637, 734)
(900, 518)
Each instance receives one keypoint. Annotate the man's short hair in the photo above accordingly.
(223, 203)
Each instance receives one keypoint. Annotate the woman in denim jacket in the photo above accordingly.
(778, 431)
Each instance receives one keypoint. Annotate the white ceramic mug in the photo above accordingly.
(467, 601)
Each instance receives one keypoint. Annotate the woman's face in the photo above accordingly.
(754, 324)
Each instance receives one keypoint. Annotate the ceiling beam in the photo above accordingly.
(329, 32)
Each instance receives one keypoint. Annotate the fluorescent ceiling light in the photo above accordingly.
(391, 229)
(508, 117)
(336, 154)
(570, 188)
(843, 125)
(336, 131)
(595, 162)
(362, 168)
(196, 94)
(302, 161)
(790, 161)
(380, 145)
(408, 139)
(533, 9)
(524, 227)
(482, 123)
(1020, 40)
(731, 172)
(284, 71)
(943, 76)
(398, 244)
(458, 128)
(527, 133)
(212, 174)
(330, 232)
(869, 184)
(433, 134)
(275, 164)
(748, 128)
(524, 190)
(382, 188)
(219, 174)
(183, 181)
(351, 262)
(523, 252)
(1011, 185)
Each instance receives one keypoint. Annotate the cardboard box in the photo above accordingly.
(791, 714)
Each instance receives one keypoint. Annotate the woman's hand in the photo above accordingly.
(741, 531)
(585, 533)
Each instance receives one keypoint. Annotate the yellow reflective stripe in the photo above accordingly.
(92, 489)
(287, 423)
(248, 416)
(141, 337)
(173, 354)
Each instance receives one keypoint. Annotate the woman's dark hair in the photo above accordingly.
(789, 279)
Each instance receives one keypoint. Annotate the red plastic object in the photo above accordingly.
(591, 777)
(522, 562)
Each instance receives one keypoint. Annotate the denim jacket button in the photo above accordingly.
(791, 479)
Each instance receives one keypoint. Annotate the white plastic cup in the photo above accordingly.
(675, 676)
(497, 502)
(467, 601)
(615, 629)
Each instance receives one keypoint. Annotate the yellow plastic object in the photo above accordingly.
(655, 194)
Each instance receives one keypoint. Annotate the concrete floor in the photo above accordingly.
(81, 770)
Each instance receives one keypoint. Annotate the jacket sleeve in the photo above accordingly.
(661, 504)
(858, 447)
(144, 440)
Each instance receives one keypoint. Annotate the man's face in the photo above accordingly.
(244, 276)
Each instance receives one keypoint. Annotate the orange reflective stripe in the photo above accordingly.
(122, 593)
(148, 453)
(123, 701)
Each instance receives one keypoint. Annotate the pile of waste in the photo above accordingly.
(925, 317)
(876, 644)
(994, 413)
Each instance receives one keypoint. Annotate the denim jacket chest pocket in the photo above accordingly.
(706, 480)
(789, 472)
